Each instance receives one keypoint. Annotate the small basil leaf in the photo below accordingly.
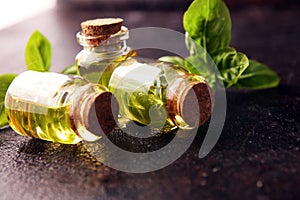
(140, 105)
(201, 66)
(72, 69)
(5, 81)
(194, 65)
(38, 52)
(173, 59)
(208, 23)
(178, 62)
(231, 64)
(257, 76)
(184, 63)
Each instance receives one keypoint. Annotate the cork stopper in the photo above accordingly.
(195, 104)
(102, 114)
(101, 26)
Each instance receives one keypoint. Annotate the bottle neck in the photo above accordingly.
(106, 45)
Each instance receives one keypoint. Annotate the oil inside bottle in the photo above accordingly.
(144, 98)
(99, 70)
(45, 122)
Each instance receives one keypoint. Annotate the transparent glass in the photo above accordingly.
(160, 95)
(100, 55)
(53, 107)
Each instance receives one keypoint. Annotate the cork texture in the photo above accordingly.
(103, 114)
(196, 104)
(101, 26)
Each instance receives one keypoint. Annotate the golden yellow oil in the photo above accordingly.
(43, 122)
(99, 71)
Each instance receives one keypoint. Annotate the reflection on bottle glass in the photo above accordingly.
(59, 108)
(160, 95)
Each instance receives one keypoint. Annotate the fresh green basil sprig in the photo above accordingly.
(38, 54)
(208, 24)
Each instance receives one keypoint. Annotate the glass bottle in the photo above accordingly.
(154, 93)
(59, 108)
(101, 55)
(160, 95)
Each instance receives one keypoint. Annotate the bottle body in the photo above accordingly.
(51, 106)
(160, 95)
(99, 56)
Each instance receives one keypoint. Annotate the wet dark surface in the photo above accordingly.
(256, 157)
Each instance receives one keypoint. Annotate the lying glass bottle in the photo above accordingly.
(158, 94)
(59, 108)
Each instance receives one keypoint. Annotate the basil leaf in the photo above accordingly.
(5, 81)
(72, 69)
(257, 76)
(194, 65)
(38, 52)
(187, 63)
(231, 64)
(173, 59)
(208, 23)
(199, 65)
(178, 62)
(140, 106)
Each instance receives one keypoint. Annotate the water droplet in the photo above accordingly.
(204, 174)
(203, 183)
(259, 184)
(215, 169)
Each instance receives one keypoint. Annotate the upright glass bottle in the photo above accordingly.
(100, 55)
(59, 108)
(154, 93)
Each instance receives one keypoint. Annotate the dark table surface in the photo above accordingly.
(256, 157)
